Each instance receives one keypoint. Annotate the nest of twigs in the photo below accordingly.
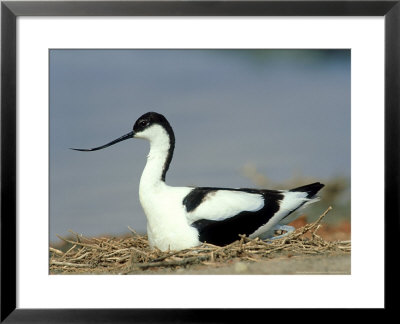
(134, 255)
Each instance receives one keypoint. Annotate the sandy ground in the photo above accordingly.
(300, 265)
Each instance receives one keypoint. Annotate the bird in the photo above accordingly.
(179, 218)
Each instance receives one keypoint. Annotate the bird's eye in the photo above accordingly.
(143, 123)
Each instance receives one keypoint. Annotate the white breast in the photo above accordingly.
(167, 226)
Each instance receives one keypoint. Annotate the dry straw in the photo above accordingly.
(133, 255)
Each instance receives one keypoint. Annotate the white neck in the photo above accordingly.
(159, 149)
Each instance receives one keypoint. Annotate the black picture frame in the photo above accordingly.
(10, 10)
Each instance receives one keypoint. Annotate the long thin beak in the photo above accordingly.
(122, 138)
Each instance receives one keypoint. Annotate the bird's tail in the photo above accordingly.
(310, 189)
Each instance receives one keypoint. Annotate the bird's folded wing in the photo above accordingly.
(220, 204)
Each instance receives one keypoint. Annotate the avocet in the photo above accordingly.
(184, 217)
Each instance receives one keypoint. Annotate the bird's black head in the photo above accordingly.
(149, 119)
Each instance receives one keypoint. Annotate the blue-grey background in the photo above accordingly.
(281, 114)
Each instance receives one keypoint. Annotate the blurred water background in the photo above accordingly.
(242, 118)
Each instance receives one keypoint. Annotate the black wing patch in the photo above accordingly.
(227, 231)
(196, 197)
